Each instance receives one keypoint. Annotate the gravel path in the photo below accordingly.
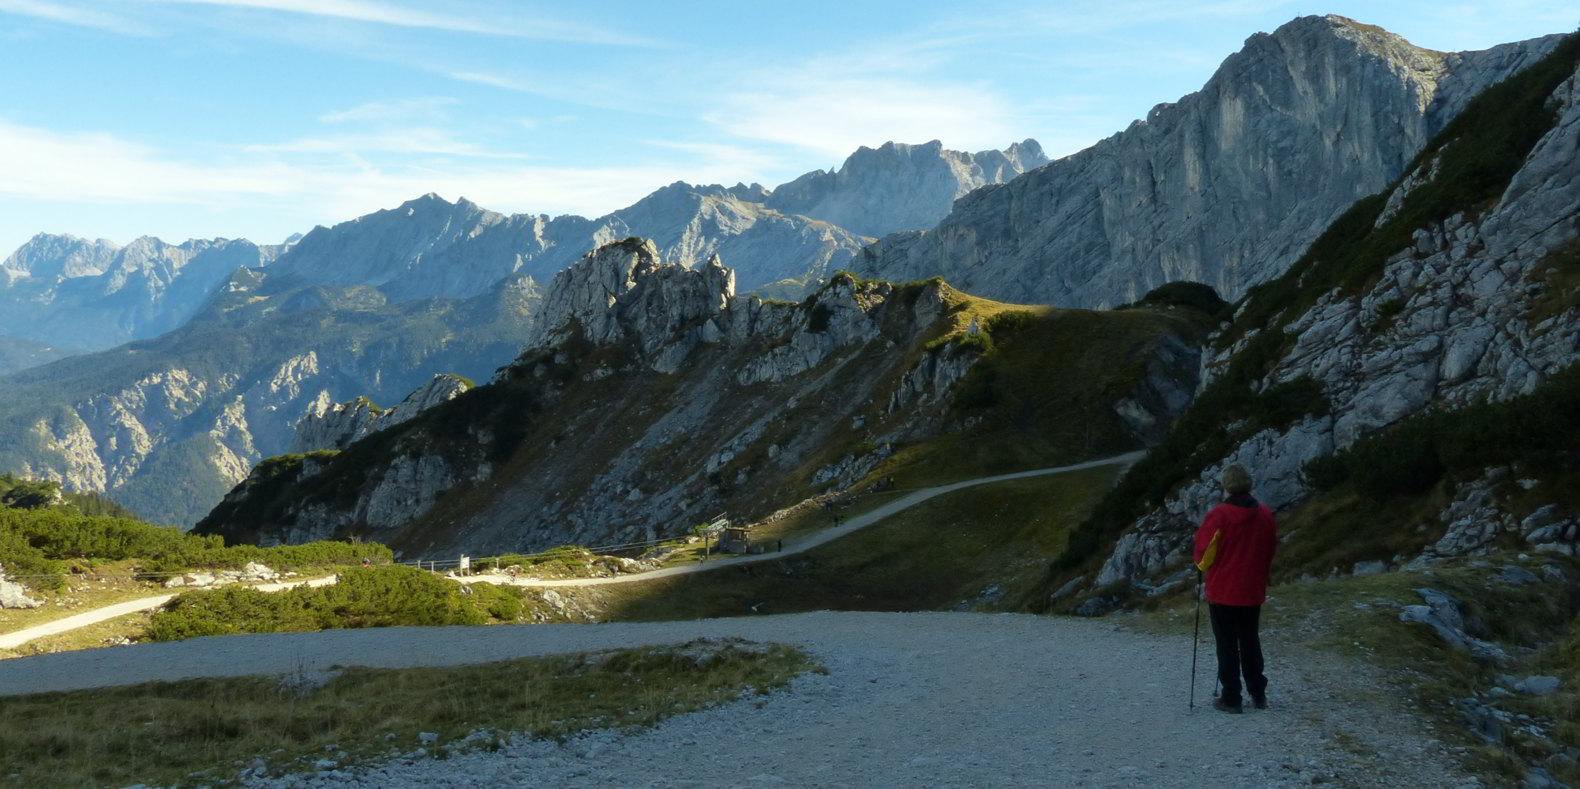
(920, 699)
(97, 615)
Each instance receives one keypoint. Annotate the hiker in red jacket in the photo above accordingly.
(1234, 546)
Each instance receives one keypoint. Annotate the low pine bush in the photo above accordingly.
(388, 596)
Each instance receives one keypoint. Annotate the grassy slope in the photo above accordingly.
(950, 550)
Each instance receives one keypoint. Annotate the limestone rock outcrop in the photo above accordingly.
(1227, 186)
(1471, 311)
(13, 594)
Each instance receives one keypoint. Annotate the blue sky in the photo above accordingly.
(260, 118)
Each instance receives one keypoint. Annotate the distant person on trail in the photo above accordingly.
(1234, 547)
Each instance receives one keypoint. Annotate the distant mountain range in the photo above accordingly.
(634, 365)
(94, 295)
(232, 343)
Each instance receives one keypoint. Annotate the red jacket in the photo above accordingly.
(1235, 547)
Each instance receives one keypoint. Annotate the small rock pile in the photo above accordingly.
(252, 572)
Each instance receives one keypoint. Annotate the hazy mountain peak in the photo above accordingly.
(899, 186)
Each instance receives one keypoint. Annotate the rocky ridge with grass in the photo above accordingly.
(1478, 307)
(762, 403)
(1227, 186)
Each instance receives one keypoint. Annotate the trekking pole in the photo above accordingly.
(1195, 640)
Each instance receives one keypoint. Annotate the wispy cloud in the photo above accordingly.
(404, 141)
(96, 168)
(461, 19)
(72, 15)
(835, 116)
(898, 90)
(385, 111)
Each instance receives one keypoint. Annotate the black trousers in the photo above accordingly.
(1239, 649)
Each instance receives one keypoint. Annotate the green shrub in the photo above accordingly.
(27, 494)
(500, 602)
(1412, 456)
(388, 596)
(1191, 295)
(228, 611)
(37, 539)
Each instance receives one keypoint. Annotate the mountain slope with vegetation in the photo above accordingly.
(708, 402)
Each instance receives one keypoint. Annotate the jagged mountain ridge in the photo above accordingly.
(896, 186)
(1227, 186)
(94, 295)
(67, 291)
(429, 247)
(650, 397)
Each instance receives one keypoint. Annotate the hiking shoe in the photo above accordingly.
(1259, 702)
(1224, 706)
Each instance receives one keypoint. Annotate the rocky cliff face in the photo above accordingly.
(94, 295)
(1227, 186)
(1477, 305)
(650, 397)
(898, 187)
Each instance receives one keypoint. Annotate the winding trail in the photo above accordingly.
(808, 542)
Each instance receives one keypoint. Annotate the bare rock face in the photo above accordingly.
(330, 425)
(1455, 319)
(621, 293)
(1227, 187)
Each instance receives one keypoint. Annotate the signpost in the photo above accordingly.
(717, 525)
